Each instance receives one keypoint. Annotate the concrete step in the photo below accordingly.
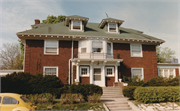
(120, 108)
(118, 105)
(113, 93)
(113, 96)
(111, 103)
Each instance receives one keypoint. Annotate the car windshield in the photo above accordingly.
(24, 99)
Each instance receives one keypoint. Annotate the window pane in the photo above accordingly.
(137, 72)
(97, 77)
(9, 100)
(136, 48)
(97, 44)
(83, 50)
(96, 50)
(112, 25)
(136, 53)
(83, 71)
(108, 47)
(97, 71)
(51, 50)
(171, 71)
(50, 71)
(166, 73)
(161, 73)
(77, 23)
(51, 43)
(109, 71)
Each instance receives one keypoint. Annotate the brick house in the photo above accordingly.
(95, 53)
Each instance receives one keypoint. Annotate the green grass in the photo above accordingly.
(77, 106)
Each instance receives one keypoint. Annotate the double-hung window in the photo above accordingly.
(136, 50)
(137, 72)
(51, 47)
(112, 27)
(166, 72)
(50, 70)
(84, 71)
(76, 25)
(97, 46)
(109, 71)
(109, 48)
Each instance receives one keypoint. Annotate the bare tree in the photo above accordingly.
(10, 56)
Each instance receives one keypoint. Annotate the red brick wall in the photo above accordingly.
(35, 58)
(147, 62)
(85, 80)
(177, 72)
(110, 81)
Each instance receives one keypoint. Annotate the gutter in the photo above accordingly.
(70, 62)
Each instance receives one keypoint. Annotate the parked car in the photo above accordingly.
(15, 102)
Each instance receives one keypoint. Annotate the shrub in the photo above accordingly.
(129, 91)
(157, 81)
(135, 81)
(157, 94)
(85, 89)
(173, 81)
(71, 98)
(94, 98)
(26, 83)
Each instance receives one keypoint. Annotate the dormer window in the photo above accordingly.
(112, 27)
(76, 25)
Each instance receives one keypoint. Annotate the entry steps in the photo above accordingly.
(114, 100)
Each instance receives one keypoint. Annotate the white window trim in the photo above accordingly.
(137, 68)
(56, 46)
(112, 71)
(87, 71)
(76, 29)
(141, 55)
(50, 67)
(174, 71)
(116, 28)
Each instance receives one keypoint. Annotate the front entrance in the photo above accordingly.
(97, 76)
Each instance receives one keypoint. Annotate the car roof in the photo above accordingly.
(10, 94)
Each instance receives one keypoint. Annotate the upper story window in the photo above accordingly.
(83, 50)
(136, 50)
(97, 46)
(76, 25)
(108, 47)
(112, 27)
(51, 47)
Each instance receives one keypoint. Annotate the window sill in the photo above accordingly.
(84, 75)
(50, 54)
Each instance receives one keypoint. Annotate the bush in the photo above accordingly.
(85, 89)
(40, 98)
(157, 81)
(71, 98)
(173, 81)
(95, 98)
(26, 83)
(129, 91)
(157, 94)
(135, 81)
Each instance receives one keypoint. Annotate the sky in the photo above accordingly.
(158, 18)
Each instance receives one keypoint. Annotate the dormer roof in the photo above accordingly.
(110, 20)
(76, 17)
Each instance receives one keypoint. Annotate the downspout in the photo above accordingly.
(70, 62)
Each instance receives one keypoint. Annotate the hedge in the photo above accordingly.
(157, 94)
(26, 83)
(128, 92)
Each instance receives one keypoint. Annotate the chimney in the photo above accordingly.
(37, 21)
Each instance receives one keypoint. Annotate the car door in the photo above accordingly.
(8, 103)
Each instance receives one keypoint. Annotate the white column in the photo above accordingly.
(103, 76)
(116, 73)
(91, 74)
(77, 73)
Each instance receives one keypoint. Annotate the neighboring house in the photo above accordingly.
(95, 53)
(168, 69)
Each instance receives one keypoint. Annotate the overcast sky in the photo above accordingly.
(158, 18)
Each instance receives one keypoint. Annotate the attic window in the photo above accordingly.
(112, 27)
(76, 25)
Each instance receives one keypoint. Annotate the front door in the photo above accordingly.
(97, 77)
